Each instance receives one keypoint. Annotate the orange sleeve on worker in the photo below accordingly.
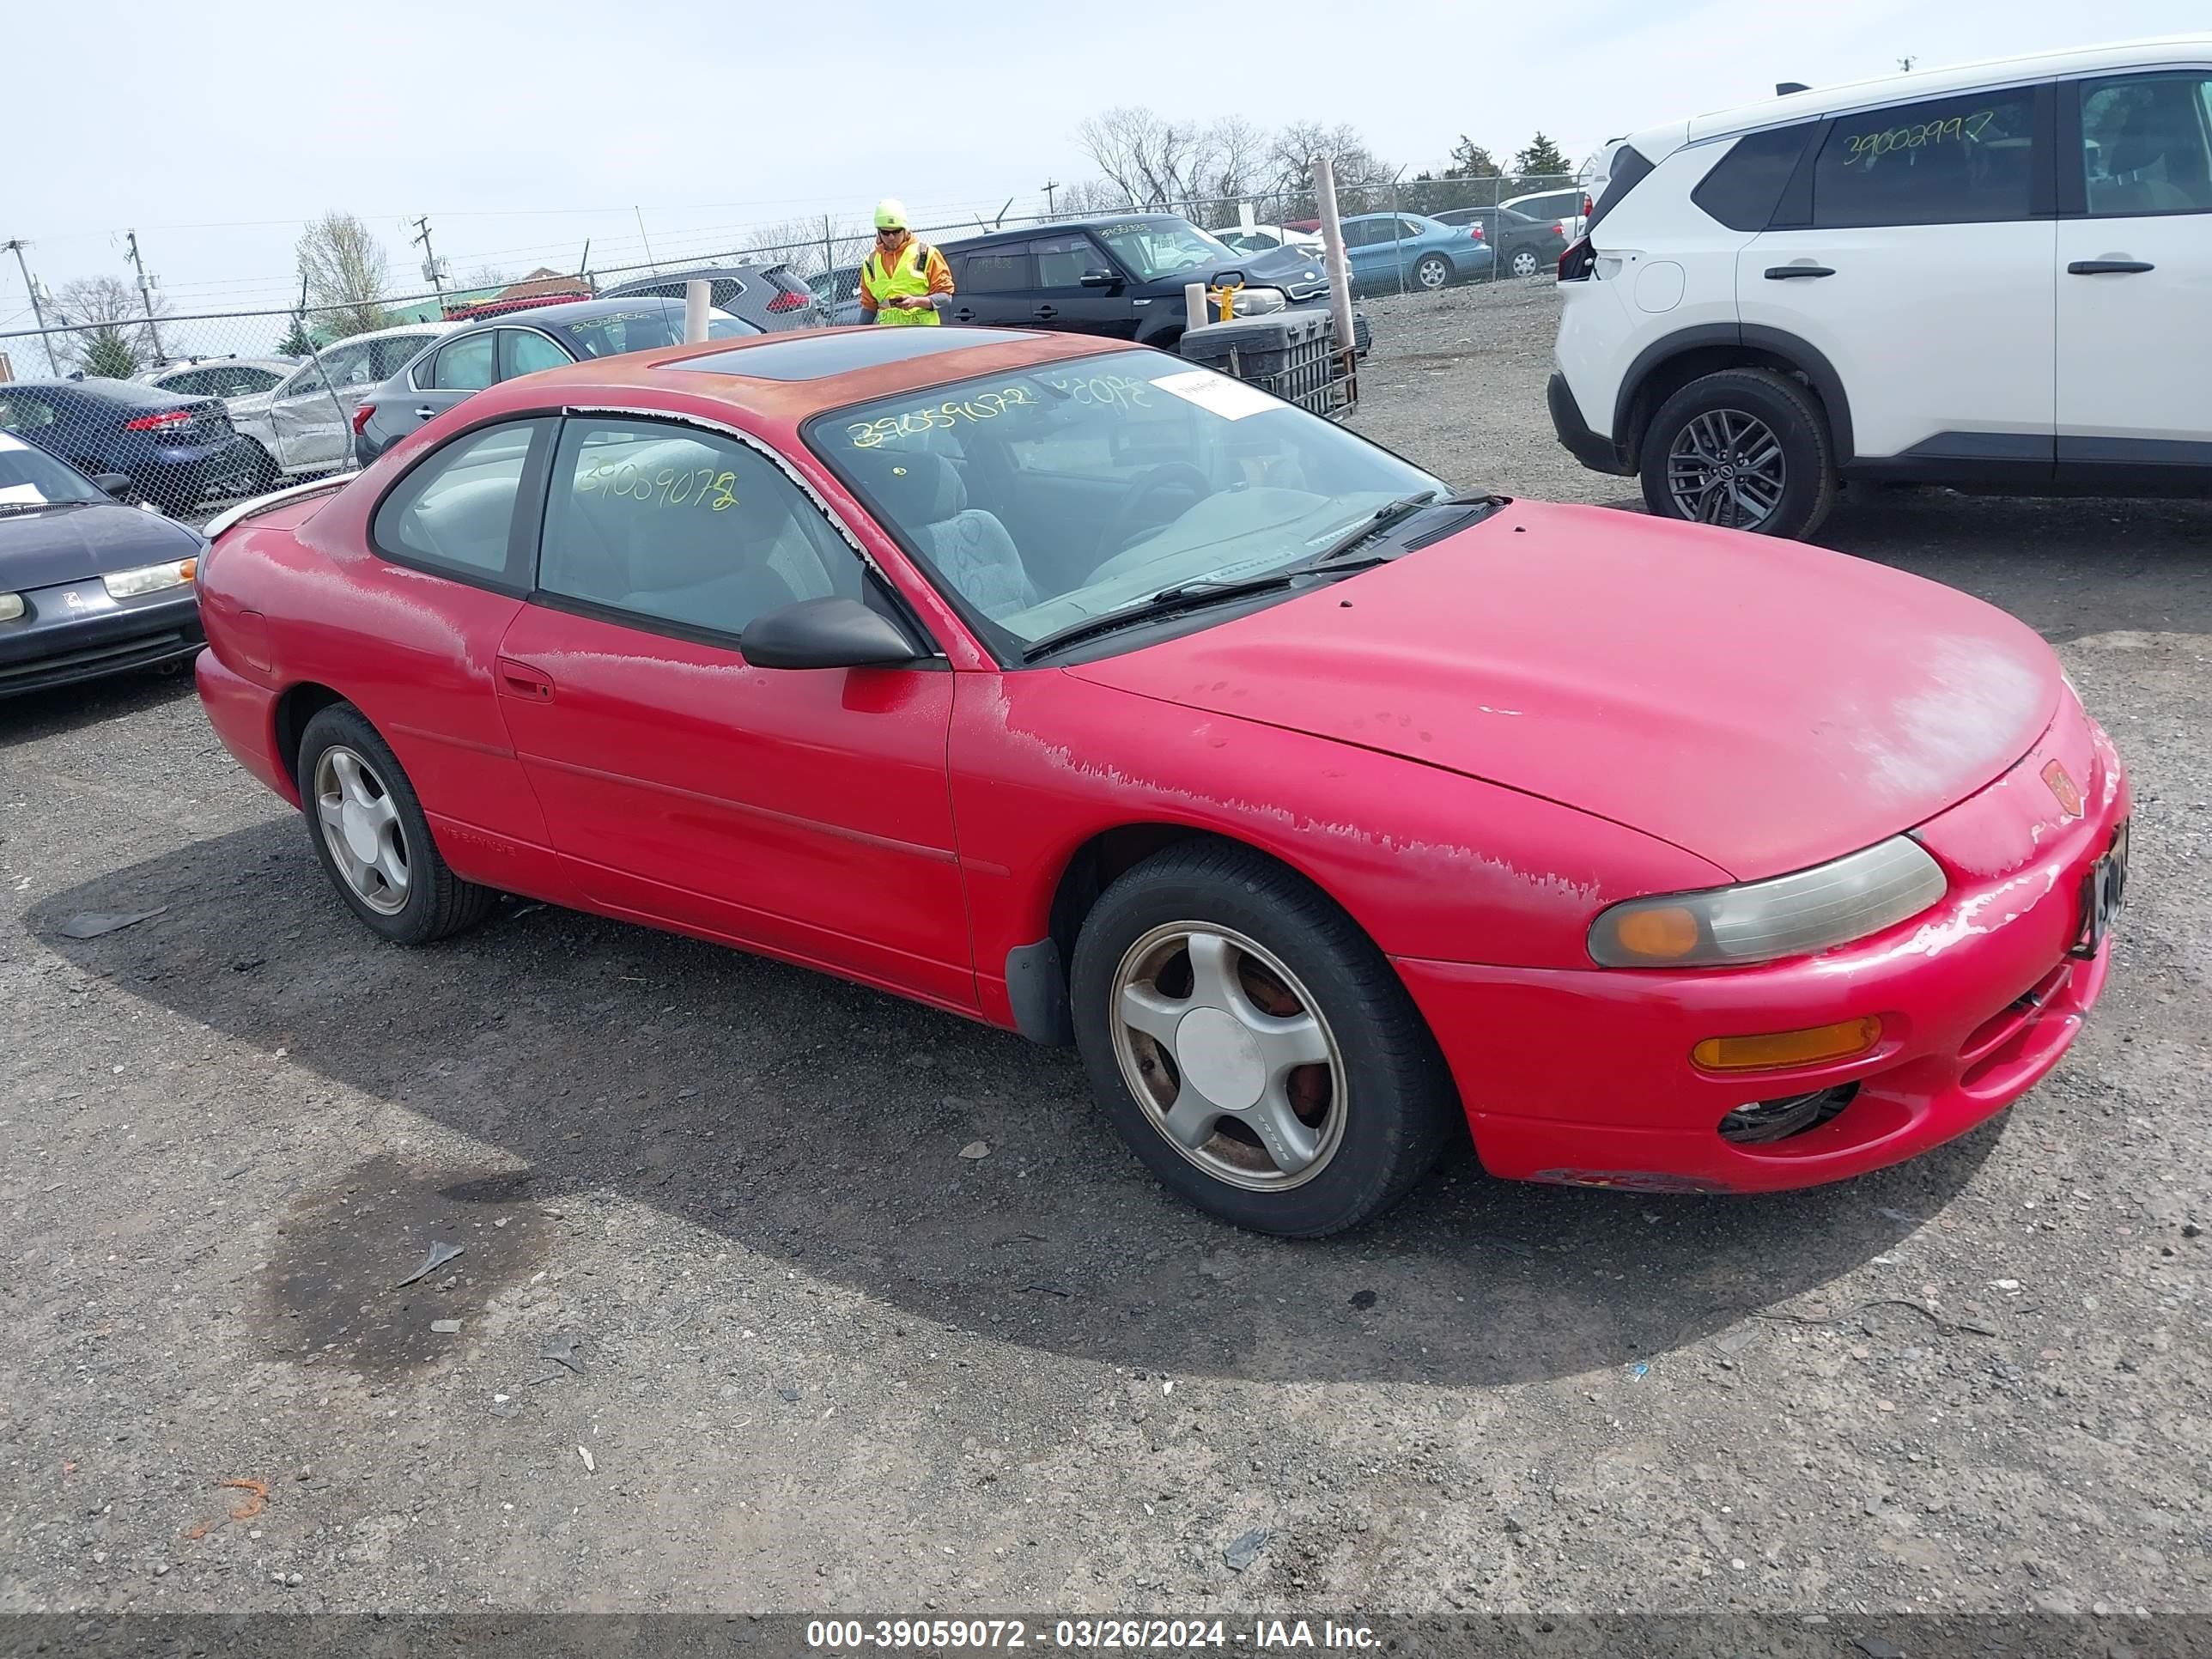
(939, 271)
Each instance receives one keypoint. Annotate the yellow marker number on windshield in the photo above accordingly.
(985, 406)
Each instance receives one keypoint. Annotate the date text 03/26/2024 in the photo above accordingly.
(1086, 1635)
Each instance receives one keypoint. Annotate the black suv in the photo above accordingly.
(1122, 276)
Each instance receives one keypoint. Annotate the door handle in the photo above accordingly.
(1789, 273)
(424, 413)
(2108, 267)
(1045, 313)
(520, 679)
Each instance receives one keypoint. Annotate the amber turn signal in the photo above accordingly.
(1773, 1050)
(1665, 934)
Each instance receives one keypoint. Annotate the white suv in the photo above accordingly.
(1997, 277)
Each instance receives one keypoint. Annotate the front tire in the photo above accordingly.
(1745, 448)
(1253, 1046)
(1434, 273)
(371, 837)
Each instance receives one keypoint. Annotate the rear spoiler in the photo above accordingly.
(231, 515)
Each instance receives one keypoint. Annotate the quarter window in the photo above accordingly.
(2147, 145)
(455, 512)
(679, 526)
(1746, 185)
(1955, 160)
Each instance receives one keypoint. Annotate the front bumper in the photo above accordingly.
(1597, 452)
(75, 632)
(1585, 1078)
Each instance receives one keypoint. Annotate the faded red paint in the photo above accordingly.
(1475, 749)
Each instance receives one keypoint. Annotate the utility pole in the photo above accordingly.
(429, 258)
(16, 247)
(1906, 63)
(1050, 185)
(146, 294)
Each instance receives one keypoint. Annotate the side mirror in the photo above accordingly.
(826, 633)
(1099, 279)
(117, 485)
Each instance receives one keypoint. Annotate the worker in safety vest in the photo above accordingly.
(902, 281)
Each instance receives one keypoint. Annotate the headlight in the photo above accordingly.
(1260, 302)
(148, 578)
(1789, 915)
(11, 606)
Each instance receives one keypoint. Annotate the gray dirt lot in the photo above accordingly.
(825, 1362)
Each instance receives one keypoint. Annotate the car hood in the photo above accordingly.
(1275, 267)
(1763, 704)
(70, 543)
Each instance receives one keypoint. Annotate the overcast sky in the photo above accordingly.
(215, 129)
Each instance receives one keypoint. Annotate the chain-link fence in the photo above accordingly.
(185, 411)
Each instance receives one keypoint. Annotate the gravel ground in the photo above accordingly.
(739, 1327)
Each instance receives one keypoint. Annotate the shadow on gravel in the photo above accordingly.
(38, 715)
(820, 1125)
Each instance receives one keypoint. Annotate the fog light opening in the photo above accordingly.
(1762, 1121)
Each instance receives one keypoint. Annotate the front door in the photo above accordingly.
(1062, 300)
(1924, 277)
(802, 812)
(2135, 271)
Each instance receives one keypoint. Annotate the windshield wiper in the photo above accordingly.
(36, 506)
(1184, 595)
(1374, 524)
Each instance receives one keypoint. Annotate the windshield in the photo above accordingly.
(29, 476)
(1153, 248)
(647, 329)
(1042, 498)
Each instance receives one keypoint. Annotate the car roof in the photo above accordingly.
(1088, 221)
(435, 325)
(791, 376)
(121, 391)
(706, 272)
(575, 311)
(1654, 144)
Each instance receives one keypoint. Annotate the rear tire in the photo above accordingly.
(1369, 1118)
(1525, 262)
(371, 837)
(1434, 273)
(1745, 448)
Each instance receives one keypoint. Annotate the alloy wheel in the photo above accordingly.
(360, 828)
(1726, 467)
(1229, 1055)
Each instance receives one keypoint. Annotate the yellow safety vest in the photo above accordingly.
(908, 276)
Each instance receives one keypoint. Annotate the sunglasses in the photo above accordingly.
(891, 230)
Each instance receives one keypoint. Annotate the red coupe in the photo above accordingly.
(1074, 690)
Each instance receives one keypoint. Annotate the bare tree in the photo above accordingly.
(346, 269)
(1150, 161)
(812, 246)
(1087, 196)
(112, 342)
(1292, 154)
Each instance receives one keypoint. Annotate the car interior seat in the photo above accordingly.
(923, 494)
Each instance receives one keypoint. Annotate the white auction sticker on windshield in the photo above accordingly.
(9, 440)
(1232, 400)
(21, 493)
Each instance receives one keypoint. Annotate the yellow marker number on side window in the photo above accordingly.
(667, 486)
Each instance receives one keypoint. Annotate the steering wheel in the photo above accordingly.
(1125, 521)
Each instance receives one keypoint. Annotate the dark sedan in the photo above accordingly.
(1525, 247)
(456, 366)
(174, 449)
(87, 587)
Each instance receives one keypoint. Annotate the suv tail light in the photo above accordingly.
(163, 422)
(1576, 262)
(790, 300)
(361, 414)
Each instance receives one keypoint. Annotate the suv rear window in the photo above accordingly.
(1744, 189)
